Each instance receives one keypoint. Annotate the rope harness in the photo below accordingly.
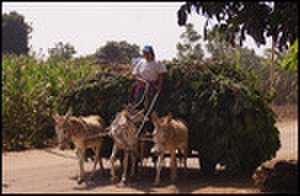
(146, 118)
(143, 97)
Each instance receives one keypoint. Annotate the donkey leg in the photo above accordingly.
(96, 150)
(101, 166)
(185, 154)
(125, 162)
(81, 154)
(173, 166)
(133, 164)
(100, 159)
(112, 160)
(141, 158)
(158, 169)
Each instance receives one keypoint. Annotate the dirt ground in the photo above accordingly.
(55, 171)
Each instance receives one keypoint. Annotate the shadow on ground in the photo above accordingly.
(193, 181)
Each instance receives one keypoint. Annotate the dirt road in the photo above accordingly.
(55, 171)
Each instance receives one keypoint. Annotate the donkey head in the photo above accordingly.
(123, 124)
(160, 123)
(61, 128)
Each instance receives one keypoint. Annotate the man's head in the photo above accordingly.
(148, 53)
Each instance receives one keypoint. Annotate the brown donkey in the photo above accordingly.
(169, 134)
(84, 132)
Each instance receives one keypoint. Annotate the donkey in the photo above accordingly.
(124, 134)
(169, 135)
(85, 132)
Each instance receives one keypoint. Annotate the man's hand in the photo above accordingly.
(142, 80)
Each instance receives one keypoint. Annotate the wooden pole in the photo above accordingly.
(272, 64)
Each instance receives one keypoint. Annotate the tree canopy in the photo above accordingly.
(61, 51)
(190, 48)
(116, 52)
(257, 19)
(15, 34)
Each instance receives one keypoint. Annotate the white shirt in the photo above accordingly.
(149, 70)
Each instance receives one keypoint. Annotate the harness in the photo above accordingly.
(146, 118)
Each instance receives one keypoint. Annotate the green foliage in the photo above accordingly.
(286, 80)
(229, 118)
(116, 52)
(61, 52)
(237, 18)
(190, 49)
(290, 63)
(223, 52)
(15, 34)
(30, 91)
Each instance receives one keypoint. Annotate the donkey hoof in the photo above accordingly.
(122, 184)
(80, 181)
(132, 174)
(123, 180)
(92, 178)
(113, 180)
(101, 172)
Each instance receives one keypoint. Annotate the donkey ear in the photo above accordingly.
(169, 118)
(55, 116)
(124, 106)
(69, 112)
(138, 116)
(154, 117)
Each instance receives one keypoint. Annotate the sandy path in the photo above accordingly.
(54, 171)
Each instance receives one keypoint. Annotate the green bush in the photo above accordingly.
(229, 119)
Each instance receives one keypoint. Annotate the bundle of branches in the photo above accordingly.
(229, 118)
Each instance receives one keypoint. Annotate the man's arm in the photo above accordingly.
(137, 77)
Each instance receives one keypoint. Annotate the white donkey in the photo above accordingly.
(84, 132)
(124, 134)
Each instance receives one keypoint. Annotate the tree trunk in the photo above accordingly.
(272, 64)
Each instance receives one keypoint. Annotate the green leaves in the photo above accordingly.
(277, 19)
(30, 90)
(290, 63)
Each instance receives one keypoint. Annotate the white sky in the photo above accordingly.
(87, 26)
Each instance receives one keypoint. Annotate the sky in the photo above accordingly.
(88, 26)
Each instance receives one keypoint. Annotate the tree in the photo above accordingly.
(116, 52)
(61, 51)
(221, 50)
(276, 19)
(285, 74)
(218, 47)
(15, 34)
(190, 49)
